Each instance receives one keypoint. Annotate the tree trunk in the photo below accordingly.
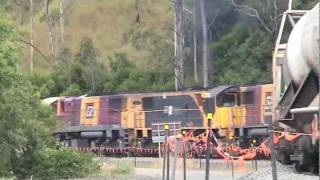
(31, 37)
(179, 69)
(194, 19)
(195, 67)
(138, 11)
(20, 12)
(50, 28)
(204, 45)
(62, 22)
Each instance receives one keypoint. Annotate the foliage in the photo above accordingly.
(116, 169)
(122, 168)
(125, 76)
(43, 81)
(243, 57)
(62, 163)
(84, 72)
(80, 73)
(304, 4)
(149, 43)
(26, 125)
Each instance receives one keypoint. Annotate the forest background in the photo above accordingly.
(75, 47)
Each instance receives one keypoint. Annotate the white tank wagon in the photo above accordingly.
(303, 46)
(298, 108)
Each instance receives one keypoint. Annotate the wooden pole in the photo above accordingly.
(168, 155)
(232, 169)
(176, 149)
(159, 149)
(208, 150)
(184, 162)
(135, 160)
(164, 157)
(273, 153)
(159, 143)
(256, 164)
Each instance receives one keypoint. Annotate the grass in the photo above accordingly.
(116, 169)
(106, 22)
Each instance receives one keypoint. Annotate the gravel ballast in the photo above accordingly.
(283, 173)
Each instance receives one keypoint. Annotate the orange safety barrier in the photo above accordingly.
(290, 137)
(250, 155)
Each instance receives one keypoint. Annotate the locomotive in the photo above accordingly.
(240, 114)
(296, 81)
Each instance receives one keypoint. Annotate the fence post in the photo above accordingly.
(209, 117)
(176, 149)
(273, 153)
(232, 169)
(164, 157)
(184, 164)
(168, 153)
(184, 157)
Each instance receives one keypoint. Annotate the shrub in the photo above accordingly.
(63, 164)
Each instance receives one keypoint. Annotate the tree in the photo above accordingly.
(27, 147)
(52, 16)
(179, 43)
(243, 57)
(20, 4)
(138, 11)
(119, 71)
(24, 123)
(124, 76)
(61, 6)
(204, 45)
(92, 70)
(31, 36)
(266, 12)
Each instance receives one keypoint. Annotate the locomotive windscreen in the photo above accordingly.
(184, 110)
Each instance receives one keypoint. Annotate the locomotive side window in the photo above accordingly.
(268, 102)
(248, 98)
(89, 110)
(136, 102)
(226, 100)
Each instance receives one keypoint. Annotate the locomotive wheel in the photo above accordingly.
(313, 168)
(285, 159)
(305, 163)
(298, 167)
(284, 149)
(305, 144)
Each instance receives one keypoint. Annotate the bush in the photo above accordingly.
(63, 164)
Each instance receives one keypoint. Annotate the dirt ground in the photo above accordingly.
(151, 169)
